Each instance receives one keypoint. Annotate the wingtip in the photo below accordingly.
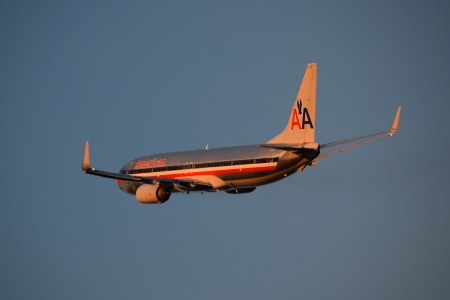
(396, 120)
(86, 166)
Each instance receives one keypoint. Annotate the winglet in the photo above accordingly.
(85, 166)
(395, 123)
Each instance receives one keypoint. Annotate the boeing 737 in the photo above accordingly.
(235, 170)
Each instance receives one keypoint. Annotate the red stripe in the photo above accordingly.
(215, 172)
(187, 172)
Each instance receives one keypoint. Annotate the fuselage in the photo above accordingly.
(224, 168)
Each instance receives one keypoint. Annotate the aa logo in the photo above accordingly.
(306, 119)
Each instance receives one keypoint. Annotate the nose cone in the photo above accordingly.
(127, 186)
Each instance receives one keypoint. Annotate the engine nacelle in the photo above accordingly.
(148, 193)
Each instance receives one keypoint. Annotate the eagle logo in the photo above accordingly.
(299, 106)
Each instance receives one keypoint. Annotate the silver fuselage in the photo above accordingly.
(224, 168)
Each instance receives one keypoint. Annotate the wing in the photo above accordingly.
(358, 141)
(184, 184)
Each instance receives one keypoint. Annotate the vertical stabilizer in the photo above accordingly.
(302, 119)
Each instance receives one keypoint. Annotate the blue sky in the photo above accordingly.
(146, 77)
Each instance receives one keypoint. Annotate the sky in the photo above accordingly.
(140, 77)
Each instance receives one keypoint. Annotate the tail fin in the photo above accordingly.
(302, 120)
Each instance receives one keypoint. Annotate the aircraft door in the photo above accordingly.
(189, 167)
(129, 167)
(270, 160)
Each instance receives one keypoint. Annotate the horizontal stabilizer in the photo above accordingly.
(292, 147)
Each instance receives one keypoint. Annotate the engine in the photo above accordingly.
(153, 194)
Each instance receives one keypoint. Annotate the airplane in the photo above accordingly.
(235, 170)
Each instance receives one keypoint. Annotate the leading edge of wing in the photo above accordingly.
(167, 182)
(86, 166)
(365, 139)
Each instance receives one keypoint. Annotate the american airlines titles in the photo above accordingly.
(153, 163)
